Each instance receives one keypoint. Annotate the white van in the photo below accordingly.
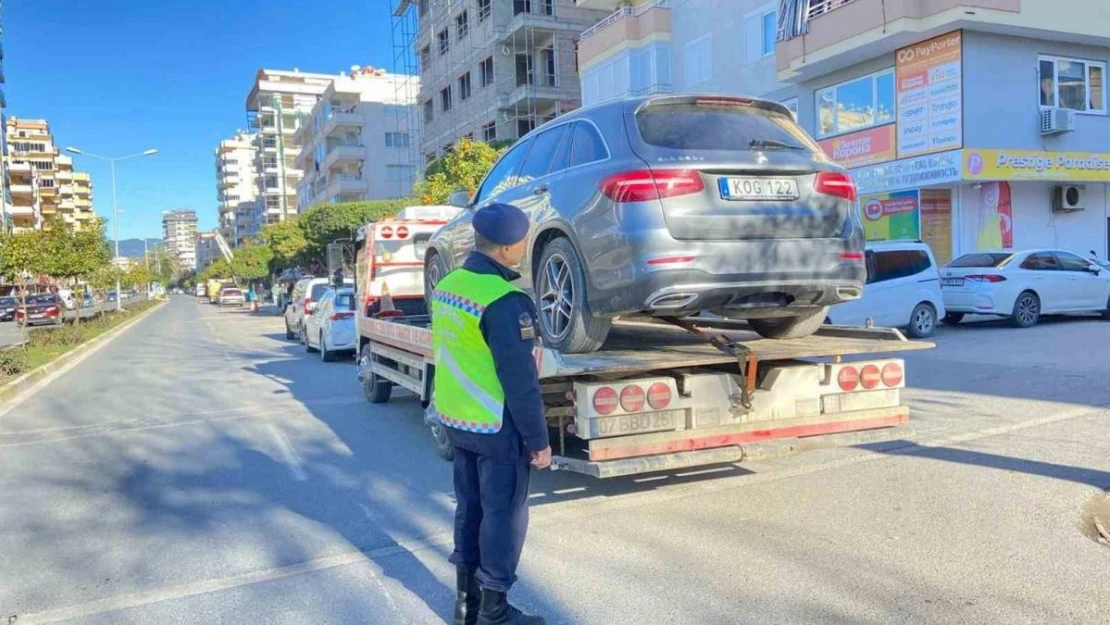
(902, 290)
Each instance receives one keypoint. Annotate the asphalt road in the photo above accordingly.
(201, 469)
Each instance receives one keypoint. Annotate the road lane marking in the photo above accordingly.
(289, 454)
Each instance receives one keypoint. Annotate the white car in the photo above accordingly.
(231, 296)
(902, 290)
(330, 329)
(306, 293)
(1024, 285)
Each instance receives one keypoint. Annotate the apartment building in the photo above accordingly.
(49, 188)
(628, 52)
(276, 105)
(179, 232)
(971, 124)
(5, 180)
(207, 250)
(237, 191)
(495, 69)
(357, 144)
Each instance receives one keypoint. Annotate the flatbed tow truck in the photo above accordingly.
(676, 394)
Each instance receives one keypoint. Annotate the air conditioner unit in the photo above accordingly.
(1068, 198)
(1056, 120)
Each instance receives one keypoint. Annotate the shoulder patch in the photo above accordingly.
(527, 327)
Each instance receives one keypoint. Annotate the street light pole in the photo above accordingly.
(115, 207)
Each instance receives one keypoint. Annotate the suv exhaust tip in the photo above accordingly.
(672, 300)
(848, 292)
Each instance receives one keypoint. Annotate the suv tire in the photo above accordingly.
(567, 325)
(434, 270)
(789, 327)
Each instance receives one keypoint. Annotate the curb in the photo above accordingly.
(16, 388)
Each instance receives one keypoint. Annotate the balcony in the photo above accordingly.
(63, 176)
(343, 120)
(834, 34)
(343, 153)
(67, 205)
(22, 211)
(22, 190)
(82, 202)
(81, 176)
(66, 189)
(543, 94)
(48, 191)
(19, 168)
(345, 184)
(540, 23)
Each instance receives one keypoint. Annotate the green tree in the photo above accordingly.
(325, 223)
(218, 270)
(461, 168)
(287, 241)
(252, 262)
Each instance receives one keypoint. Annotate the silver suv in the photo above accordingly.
(670, 206)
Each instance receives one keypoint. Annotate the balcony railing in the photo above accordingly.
(620, 14)
(794, 15)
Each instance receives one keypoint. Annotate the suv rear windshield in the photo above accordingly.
(717, 125)
(318, 291)
(982, 259)
(7, 301)
(232, 292)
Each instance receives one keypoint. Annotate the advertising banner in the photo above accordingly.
(929, 95)
(874, 145)
(933, 169)
(1036, 165)
(996, 217)
(891, 216)
(936, 222)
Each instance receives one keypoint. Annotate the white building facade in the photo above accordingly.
(356, 141)
(237, 188)
(179, 231)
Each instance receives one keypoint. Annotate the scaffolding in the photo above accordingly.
(407, 82)
(489, 70)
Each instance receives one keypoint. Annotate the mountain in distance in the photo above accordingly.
(133, 248)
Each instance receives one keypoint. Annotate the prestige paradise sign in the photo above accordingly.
(1036, 165)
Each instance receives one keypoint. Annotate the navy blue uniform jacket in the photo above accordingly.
(524, 428)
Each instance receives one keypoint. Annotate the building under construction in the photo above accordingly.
(489, 69)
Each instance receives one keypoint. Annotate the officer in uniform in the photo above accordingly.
(487, 394)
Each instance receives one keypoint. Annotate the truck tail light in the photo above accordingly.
(605, 400)
(848, 378)
(659, 396)
(869, 377)
(632, 398)
(386, 232)
(986, 277)
(336, 316)
(835, 183)
(642, 185)
(402, 232)
(892, 374)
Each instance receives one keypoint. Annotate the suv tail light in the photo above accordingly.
(53, 310)
(605, 400)
(642, 185)
(336, 316)
(836, 184)
(986, 277)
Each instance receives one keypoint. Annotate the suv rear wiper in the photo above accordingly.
(765, 144)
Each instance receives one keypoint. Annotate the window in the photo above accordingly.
(792, 106)
(503, 174)
(547, 61)
(697, 61)
(522, 6)
(587, 145)
(1073, 84)
(429, 157)
(711, 126)
(770, 31)
(464, 86)
(425, 58)
(548, 7)
(1071, 262)
(861, 103)
(893, 264)
(399, 173)
(524, 70)
(396, 139)
(539, 159)
(485, 72)
(1041, 261)
(997, 259)
(345, 301)
(444, 39)
(445, 98)
(428, 111)
(483, 10)
(489, 132)
(462, 25)
(524, 126)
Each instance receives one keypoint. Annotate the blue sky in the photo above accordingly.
(116, 77)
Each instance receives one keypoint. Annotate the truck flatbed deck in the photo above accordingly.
(643, 346)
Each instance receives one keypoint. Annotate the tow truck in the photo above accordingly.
(669, 394)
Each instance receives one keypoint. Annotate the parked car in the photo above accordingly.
(902, 290)
(1024, 285)
(7, 308)
(87, 300)
(306, 292)
(68, 298)
(330, 329)
(41, 309)
(231, 296)
(671, 206)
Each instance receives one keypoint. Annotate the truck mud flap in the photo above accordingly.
(724, 455)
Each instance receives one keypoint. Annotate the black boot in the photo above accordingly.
(496, 610)
(468, 597)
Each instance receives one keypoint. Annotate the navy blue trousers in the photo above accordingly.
(491, 517)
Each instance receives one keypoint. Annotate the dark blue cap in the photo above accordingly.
(503, 224)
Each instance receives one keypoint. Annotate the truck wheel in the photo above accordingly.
(376, 388)
(566, 322)
(923, 320)
(444, 448)
(789, 327)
